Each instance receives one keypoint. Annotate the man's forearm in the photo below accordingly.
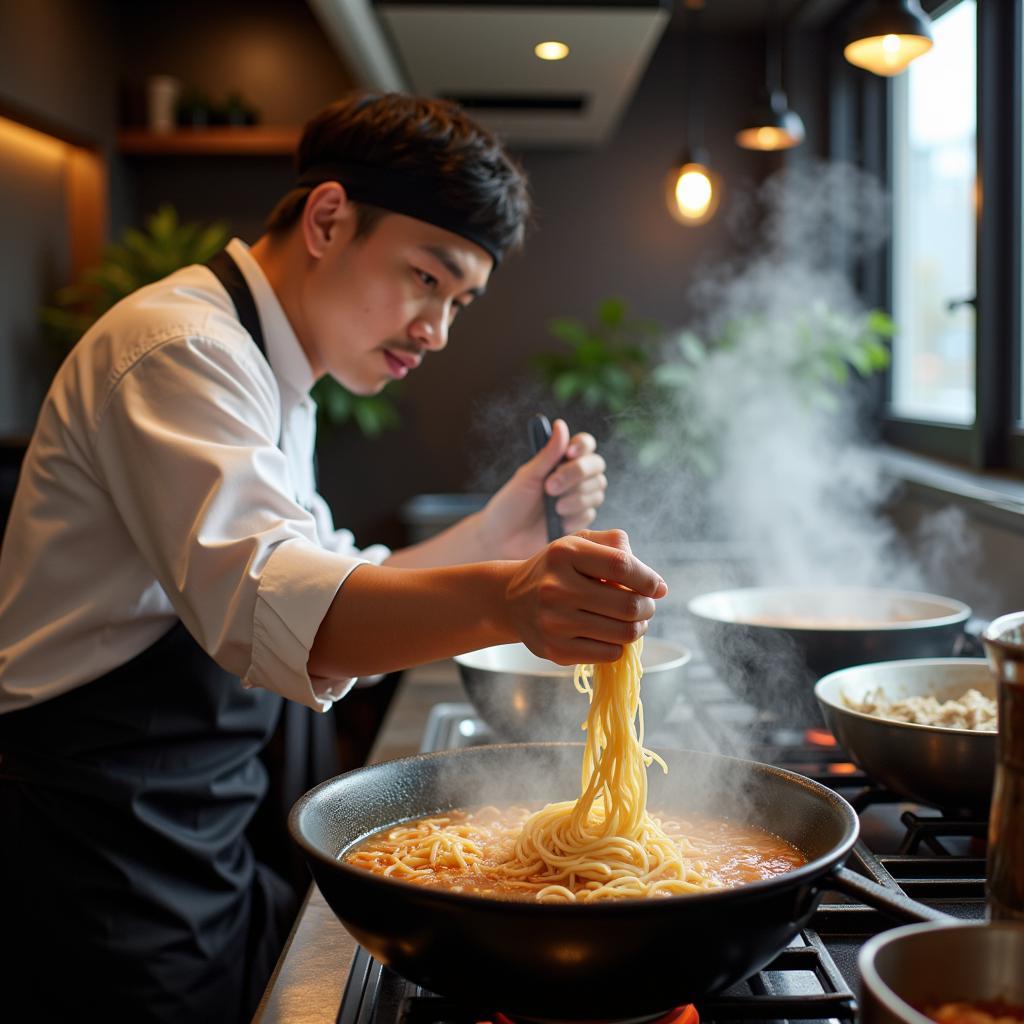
(383, 619)
(461, 543)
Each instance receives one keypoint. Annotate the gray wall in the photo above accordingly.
(57, 66)
(979, 564)
(271, 51)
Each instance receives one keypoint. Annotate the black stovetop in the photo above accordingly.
(933, 858)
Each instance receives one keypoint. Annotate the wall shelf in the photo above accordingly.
(261, 140)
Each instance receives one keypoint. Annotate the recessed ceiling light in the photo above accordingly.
(551, 50)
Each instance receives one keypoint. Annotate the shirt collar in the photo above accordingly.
(285, 354)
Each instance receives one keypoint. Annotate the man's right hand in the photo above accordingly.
(580, 599)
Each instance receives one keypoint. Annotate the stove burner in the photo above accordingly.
(680, 1015)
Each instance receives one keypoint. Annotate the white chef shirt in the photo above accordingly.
(170, 476)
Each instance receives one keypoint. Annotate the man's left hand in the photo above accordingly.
(512, 523)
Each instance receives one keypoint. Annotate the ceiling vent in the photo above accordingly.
(482, 55)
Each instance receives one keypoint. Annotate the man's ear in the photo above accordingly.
(328, 210)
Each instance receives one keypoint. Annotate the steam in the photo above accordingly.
(759, 475)
(795, 490)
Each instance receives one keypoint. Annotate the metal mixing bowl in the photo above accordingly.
(770, 644)
(523, 697)
(930, 964)
(937, 765)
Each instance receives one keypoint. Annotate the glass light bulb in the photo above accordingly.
(692, 193)
(551, 50)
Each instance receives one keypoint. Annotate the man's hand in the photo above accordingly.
(512, 523)
(582, 598)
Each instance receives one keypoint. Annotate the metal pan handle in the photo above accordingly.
(539, 429)
(889, 901)
(969, 644)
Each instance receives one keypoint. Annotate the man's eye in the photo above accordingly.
(428, 279)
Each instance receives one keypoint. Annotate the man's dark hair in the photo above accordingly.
(434, 141)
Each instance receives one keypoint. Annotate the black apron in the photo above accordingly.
(128, 886)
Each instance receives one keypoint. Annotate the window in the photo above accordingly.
(934, 106)
(952, 275)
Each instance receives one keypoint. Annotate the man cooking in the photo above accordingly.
(169, 572)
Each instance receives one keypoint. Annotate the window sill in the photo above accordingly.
(994, 497)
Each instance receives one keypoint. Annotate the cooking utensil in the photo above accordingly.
(1004, 645)
(614, 959)
(770, 644)
(539, 430)
(937, 765)
(523, 697)
(930, 964)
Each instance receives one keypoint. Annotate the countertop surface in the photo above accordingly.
(309, 979)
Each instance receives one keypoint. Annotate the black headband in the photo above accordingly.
(399, 192)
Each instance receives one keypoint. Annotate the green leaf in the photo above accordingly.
(566, 386)
(881, 323)
(592, 352)
(692, 347)
(837, 369)
(878, 355)
(860, 360)
(674, 375)
(611, 312)
(570, 330)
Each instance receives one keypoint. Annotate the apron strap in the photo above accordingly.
(227, 271)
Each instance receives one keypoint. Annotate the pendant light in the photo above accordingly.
(771, 125)
(692, 189)
(887, 35)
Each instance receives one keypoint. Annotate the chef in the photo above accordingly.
(169, 574)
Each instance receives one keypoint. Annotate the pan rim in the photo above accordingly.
(812, 869)
(683, 656)
(946, 730)
(961, 613)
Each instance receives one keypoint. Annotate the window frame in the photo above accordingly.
(861, 126)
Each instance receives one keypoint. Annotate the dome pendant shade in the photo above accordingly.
(771, 125)
(887, 36)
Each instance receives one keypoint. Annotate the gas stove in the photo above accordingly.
(934, 858)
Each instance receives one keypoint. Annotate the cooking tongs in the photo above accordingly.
(539, 430)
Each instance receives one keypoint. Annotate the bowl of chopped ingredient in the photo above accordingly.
(944, 974)
(923, 727)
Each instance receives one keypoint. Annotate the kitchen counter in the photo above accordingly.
(310, 976)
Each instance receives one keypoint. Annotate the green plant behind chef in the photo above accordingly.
(166, 244)
(603, 363)
(824, 350)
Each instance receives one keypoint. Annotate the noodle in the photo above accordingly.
(604, 845)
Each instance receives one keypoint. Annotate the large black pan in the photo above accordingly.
(571, 962)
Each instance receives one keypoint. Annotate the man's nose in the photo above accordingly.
(431, 332)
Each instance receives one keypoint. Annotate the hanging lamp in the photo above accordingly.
(887, 35)
(692, 189)
(771, 125)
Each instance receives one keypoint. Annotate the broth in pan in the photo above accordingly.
(474, 852)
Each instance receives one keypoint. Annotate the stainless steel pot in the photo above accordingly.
(770, 644)
(929, 964)
(523, 697)
(945, 767)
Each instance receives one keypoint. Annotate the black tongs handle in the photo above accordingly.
(539, 429)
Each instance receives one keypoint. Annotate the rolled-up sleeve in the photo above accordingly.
(296, 587)
(187, 445)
